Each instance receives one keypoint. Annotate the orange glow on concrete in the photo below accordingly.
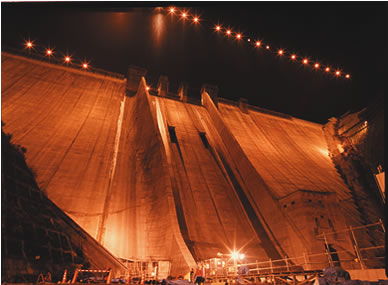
(293, 57)
(340, 148)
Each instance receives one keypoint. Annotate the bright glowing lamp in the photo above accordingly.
(316, 65)
(305, 61)
(238, 36)
(29, 44)
(280, 52)
(67, 59)
(258, 43)
(347, 76)
(85, 65)
(327, 69)
(234, 255)
(228, 32)
(293, 57)
(196, 20)
(49, 52)
(338, 73)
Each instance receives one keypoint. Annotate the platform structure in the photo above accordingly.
(288, 270)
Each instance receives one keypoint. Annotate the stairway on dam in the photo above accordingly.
(157, 176)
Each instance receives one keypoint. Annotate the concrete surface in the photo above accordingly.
(152, 176)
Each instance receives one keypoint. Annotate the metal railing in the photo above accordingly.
(358, 257)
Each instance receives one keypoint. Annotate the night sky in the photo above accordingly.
(351, 36)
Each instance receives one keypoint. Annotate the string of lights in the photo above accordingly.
(229, 33)
(49, 52)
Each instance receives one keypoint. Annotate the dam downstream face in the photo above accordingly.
(151, 176)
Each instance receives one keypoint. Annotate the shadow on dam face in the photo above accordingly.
(158, 176)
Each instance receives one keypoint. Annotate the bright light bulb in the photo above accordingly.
(218, 28)
(184, 15)
(147, 88)
(327, 69)
(267, 47)
(242, 256)
(172, 10)
(316, 65)
(49, 52)
(347, 75)
(29, 44)
(305, 61)
(67, 58)
(338, 73)
(85, 65)
(293, 56)
(248, 40)
(258, 43)
(196, 19)
(280, 52)
(234, 255)
(238, 36)
(228, 32)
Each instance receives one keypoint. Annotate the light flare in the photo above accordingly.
(49, 52)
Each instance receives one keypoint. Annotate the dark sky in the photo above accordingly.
(351, 36)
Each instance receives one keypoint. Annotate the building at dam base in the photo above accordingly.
(153, 175)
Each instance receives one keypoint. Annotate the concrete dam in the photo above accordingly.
(152, 175)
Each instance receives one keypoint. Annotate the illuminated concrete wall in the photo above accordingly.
(156, 177)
